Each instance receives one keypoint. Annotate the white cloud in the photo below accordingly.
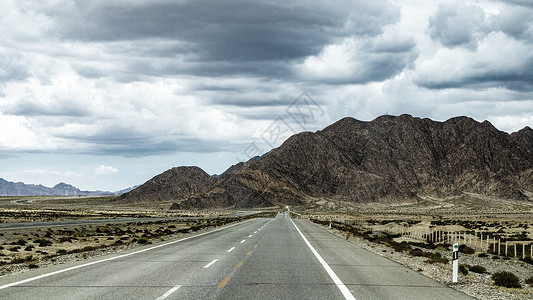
(105, 170)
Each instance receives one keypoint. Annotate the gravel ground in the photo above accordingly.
(476, 285)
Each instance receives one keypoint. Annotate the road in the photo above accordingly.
(276, 258)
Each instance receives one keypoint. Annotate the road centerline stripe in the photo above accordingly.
(231, 249)
(243, 241)
(344, 290)
(211, 263)
(223, 282)
(169, 292)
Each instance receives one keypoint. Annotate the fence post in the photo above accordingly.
(505, 248)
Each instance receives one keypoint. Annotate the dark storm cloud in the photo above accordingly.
(148, 145)
(55, 109)
(519, 2)
(217, 38)
(455, 26)
(516, 80)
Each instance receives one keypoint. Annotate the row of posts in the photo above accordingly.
(477, 241)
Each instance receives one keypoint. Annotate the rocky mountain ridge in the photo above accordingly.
(389, 159)
(8, 188)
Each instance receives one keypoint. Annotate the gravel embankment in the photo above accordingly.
(480, 286)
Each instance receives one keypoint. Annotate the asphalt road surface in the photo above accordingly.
(276, 258)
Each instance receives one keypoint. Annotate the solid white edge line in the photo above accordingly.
(169, 292)
(209, 264)
(232, 248)
(115, 257)
(344, 290)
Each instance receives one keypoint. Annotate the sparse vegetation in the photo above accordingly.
(463, 269)
(478, 269)
(506, 279)
(529, 281)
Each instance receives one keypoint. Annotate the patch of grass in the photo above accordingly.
(478, 269)
(65, 239)
(20, 260)
(529, 281)
(143, 241)
(463, 269)
(14, 249)
(528, 260)
(466, 250)
(43, 242)
(506, 279)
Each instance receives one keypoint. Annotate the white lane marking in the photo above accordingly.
(243, 241)
(172, 290)
(209, 264)
(255, 231)
(344, 290)
(113, 258)
(250, 235)
(232, 248)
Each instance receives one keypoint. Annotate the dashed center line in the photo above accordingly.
(232, 248)
(243, 241)
(223, 282)
(209, 264)
(169, 292)
(250, 235)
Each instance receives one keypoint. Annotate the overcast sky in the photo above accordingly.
(106, 94)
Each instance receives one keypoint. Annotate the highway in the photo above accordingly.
(278, 258)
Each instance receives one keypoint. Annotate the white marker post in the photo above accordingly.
(455, 261)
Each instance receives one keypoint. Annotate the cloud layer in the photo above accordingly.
(143, 78)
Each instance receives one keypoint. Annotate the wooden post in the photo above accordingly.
(515, 250)
(523, 251)
(499, 240)
(505, 248)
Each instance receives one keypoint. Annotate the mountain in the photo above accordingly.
(176, 183)
(8, 188)
(389, 159)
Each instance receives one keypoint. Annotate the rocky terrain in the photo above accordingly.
(392, 159)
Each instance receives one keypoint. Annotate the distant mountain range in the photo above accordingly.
(389, 159)
(8, 188)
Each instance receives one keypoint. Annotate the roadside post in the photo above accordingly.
(455, 261)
